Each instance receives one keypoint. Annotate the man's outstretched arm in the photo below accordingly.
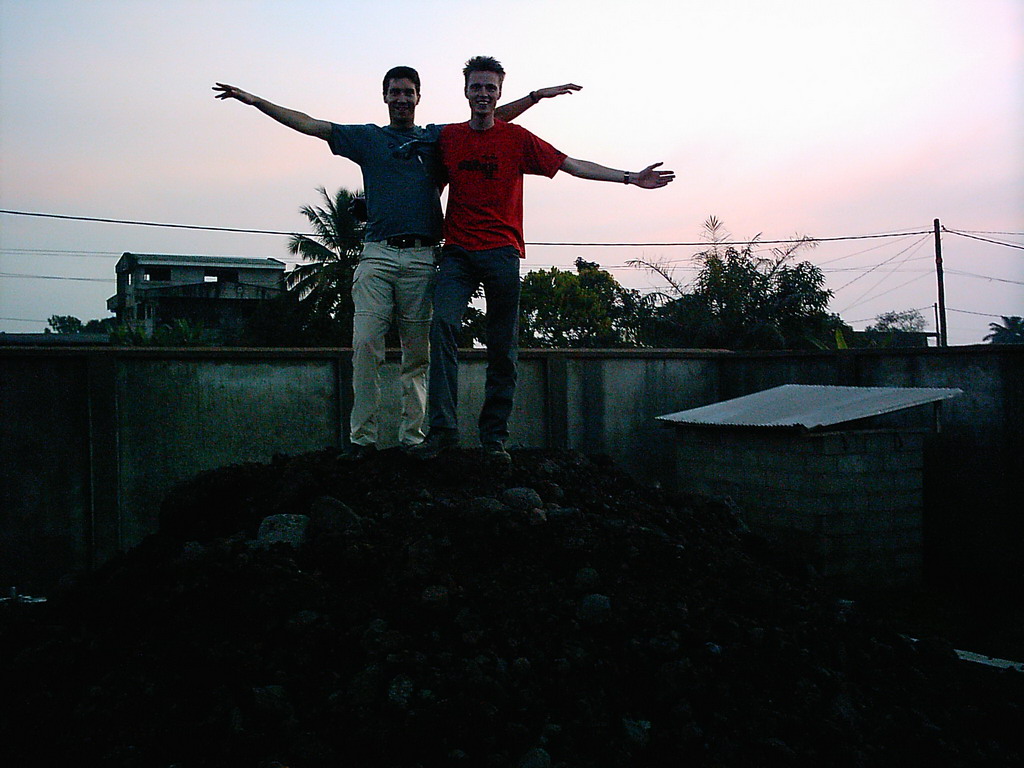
(512, 110)
(648, 178)
(297, 121)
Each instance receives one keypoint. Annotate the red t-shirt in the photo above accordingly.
(485, 176)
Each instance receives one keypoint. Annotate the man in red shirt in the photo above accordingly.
(486, 160)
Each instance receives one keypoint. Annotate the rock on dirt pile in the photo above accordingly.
(463, 613)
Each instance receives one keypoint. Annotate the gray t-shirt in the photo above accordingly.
(401, 177)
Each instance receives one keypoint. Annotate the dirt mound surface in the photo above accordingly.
(461, 612)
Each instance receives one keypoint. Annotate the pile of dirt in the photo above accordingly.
(462, 612)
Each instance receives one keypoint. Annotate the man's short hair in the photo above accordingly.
(484, 64)
(397, 73)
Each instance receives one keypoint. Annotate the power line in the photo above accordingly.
(610, 267)
(991, 232)
(100, 220)
(984, 277)
(984, 239)
(704, 244)
(677, 262)
(618, 267)
(864, 300)
(61, 277)
(968, 312)
(851, 255)
(58, 252)
(915, 309)
(865, 269)
(915, 244)
(792, 241)
(248, 231)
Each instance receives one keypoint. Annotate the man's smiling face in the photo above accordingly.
(483, 89)
(402, 96)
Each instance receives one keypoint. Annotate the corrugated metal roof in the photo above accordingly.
(809, 406)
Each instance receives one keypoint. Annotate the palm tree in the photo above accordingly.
(1010, 332)
(332, 252)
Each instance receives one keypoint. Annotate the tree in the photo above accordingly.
(1010, 332)
(894, 329)
(474, 325)
(71, 324)
(325, 283)
(64, 324)
(587, 308)
(285, 321)
(179, 333)
(105, 325)
(906, 321)
(742, 300)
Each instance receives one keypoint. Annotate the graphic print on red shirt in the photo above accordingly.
(485, 176)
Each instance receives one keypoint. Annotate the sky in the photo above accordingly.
(822, 118)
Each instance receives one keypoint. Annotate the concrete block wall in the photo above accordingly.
(851, 503)
(91, 438)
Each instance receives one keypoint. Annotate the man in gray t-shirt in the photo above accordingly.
(401, 172)
(396, 270)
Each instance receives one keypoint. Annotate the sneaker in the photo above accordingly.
(358, 452)
(437, 442)
(495, 450)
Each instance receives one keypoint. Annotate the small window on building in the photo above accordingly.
(157, 274)
(221, 276)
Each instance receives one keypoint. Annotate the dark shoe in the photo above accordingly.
(358, 452)
(437, 442)
(495, 450)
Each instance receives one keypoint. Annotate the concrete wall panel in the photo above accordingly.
(612, 402)
(180, 417)
(44, 470)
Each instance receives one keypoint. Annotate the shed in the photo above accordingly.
(834, 474)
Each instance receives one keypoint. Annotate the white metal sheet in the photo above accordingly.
(809, 406)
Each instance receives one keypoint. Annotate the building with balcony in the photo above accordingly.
(218, 292)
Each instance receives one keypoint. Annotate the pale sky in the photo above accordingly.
(820, 117)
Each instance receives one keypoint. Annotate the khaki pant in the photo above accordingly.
(391, 283)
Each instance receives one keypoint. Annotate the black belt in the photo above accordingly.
(411, 241)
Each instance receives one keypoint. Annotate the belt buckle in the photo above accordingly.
(410, 241)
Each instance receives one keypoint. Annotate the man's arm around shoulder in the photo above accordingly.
(512, 110)
(297, 121)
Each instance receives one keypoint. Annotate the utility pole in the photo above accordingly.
(942, 290)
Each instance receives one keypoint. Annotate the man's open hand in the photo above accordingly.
(556, 90)
(230, 92)
(649, 178)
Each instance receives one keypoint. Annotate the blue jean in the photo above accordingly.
(461, 273)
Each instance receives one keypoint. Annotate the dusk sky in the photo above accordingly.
(822, 118)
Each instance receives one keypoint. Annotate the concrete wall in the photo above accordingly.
(207, 413)
(848, 502)
(92, 438)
